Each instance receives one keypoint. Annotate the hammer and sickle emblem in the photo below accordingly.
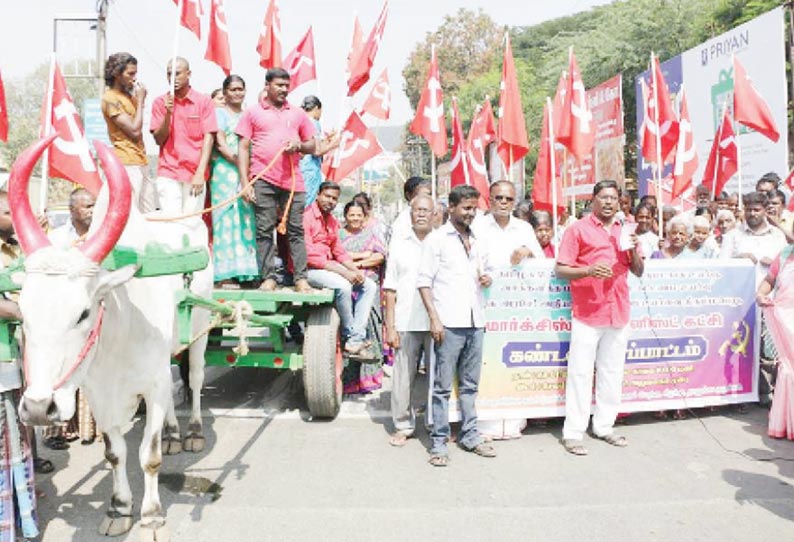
(77, 145)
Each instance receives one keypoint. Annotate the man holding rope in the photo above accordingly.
(273, 134)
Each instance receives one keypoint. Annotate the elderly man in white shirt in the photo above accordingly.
(507, 241)
(407, 323)
(81, 210)
(452, 276)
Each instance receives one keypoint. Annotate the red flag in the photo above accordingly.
(723, 158)
(218, 40)
(378, 102)
(544, 181)
(749, 108)
(481, 134)
(686, 156)
(658, 93)
(69, 156)
(356, 45)
(357, 144)
(513, 143)
(269, 44)
(3, 113)
(362, 64)
(459, 174)
(190, 16)
(300, 62)
(429, 121)
(576, 128)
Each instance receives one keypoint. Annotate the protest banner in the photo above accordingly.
(693, 340)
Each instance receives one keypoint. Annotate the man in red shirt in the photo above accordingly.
(184, 127)
(330, 266)
(591, 258)
(265, 129)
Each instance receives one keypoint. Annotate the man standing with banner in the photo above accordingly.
(595, 259)
(183, 125)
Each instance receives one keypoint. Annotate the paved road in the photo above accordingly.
(270, 474)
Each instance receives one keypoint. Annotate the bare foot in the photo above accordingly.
(302, 286)
(268, 285)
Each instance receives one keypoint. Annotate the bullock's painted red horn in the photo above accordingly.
(120, 199)
(29, 233)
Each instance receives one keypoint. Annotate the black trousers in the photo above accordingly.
(270, 203)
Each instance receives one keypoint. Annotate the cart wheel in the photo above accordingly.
(322, 363)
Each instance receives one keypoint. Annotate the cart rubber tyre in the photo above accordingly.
(322, 363)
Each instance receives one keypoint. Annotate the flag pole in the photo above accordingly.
(510, 165)
(552, 180)
(176, 48)
(716, 158)
(433, 187)
(737, 135)
(659, 161)
(45, 167)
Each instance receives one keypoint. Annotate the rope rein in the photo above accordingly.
(242, 313)
(237, 196)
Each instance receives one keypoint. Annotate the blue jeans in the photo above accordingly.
(354, 316)
(461, 352)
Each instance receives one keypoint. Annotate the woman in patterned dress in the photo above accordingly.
(233, 239)
(366, 248)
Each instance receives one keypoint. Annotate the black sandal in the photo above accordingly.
(43, 466)
(56, 443)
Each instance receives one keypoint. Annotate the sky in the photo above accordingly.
(146, 28)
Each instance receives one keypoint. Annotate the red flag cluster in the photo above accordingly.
(269, 44)
(300, 62)
(378, 103)
(513, 143)
(575, 128)
(723, 158)
(361, 60)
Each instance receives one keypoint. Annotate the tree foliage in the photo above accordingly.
(610, 39)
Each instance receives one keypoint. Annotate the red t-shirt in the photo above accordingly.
(269, 129)
(597, 302)
(321, 234)
(193, 117)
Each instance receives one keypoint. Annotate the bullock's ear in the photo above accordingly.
(110, 280)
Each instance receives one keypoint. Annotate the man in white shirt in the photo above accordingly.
(407, 323)
(451, 278)
(81, 210)
(413, 187)
(507, 241)
(755, 239)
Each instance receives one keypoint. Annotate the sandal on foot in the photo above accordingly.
(399, 439)
(43, 466)
(56, 443)
(483, 449)
(614, 440)
(679, 415)
(439, 460)
(574, 447)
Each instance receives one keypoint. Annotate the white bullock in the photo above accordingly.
(107, 332)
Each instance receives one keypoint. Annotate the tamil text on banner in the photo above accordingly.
(607, 161)
(707, 72)
(692, 342)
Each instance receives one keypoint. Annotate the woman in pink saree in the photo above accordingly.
(776, 297)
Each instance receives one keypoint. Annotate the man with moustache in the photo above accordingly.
(184, 126)
(265, 129)
(452, 276)
(122, 106)
(591, 258)
(407, 324)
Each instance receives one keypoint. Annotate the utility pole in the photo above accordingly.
(101, 43)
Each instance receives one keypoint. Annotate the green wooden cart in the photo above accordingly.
(265, 321)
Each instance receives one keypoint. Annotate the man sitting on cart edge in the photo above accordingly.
(330, 266)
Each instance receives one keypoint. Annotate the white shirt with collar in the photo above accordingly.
(499, 243)
(402, 270)
(766, 242)
(64, 236)
(453, 277)
(402, 224)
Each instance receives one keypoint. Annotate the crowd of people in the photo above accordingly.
(410, 294)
